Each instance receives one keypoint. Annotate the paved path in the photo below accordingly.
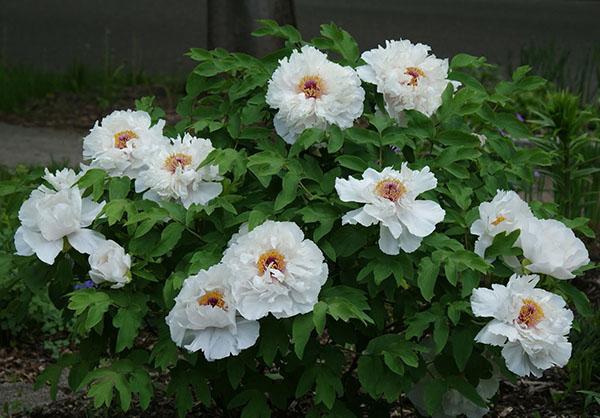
(38, 146)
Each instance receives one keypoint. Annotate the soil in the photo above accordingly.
(526, 398)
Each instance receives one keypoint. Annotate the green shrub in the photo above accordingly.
(384, 325)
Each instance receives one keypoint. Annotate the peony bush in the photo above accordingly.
(322, 232)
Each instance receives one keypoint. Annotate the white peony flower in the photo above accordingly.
(390, 199)
(48, 216)
(173, 173)
(530, 324)
(62, 179)
(505, 213)
(551, 248)
(407, 76)
(309, 91)
(118, 144)
(274, 269)
(204, 317)
(109, 263)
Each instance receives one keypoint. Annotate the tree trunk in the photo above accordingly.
(230, 23)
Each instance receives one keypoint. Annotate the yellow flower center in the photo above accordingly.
(498, 220)
(312, 86)
(530, 313)
(415, 73)
(121, 138)
(177, 160)
(213, 298)
(390, 189)
(272, 259)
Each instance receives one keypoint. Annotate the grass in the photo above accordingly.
(21, 84)
(578, 74)
(568, 130)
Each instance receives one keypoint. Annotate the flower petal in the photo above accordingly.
(44, 249)
(358, 216)
(387, 243)
(89, 211)
(22, 247)
(247, 333)
(421, 216)
(85, 240)
(409, 242)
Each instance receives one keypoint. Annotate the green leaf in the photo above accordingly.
(141, 383)
(94, 177)
(433, 392)
(61, 282)
(462, 346)
(307, 138)
(265, 163)
(352, 162)
(228, 160)
(345, 303)
(348, 240)
(168, 239)
(301, 330)
(94, 303)
(512, 125)
(579, 299)
(235, 371)
(503, 245)
(466, 389)
(271, 28)
(336, 139)
(394, 345)
(319, 316)
(128, 321)
(181, 381)
(274, 337)
(102, 382)
(342, 42)
(419, 125)
(362, 136)
(306, 381)
(328, 385)
(377, 380)
(466, 60)
(256, 405)
(164, 353)
(419, 323)
(118, 188)
(288, 192)
(455, 308)
(115, 209)
(51, 374)
(440, 333)
(394, 363)
(427, 277)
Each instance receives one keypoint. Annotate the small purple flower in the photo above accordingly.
(85, 285)
(520, 117)
(503, 132)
